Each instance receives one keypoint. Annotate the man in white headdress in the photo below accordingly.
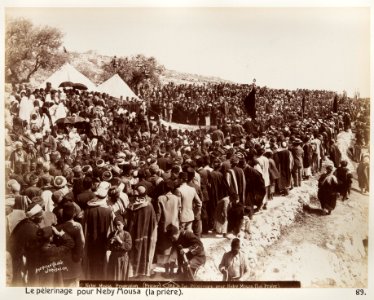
(26, 106)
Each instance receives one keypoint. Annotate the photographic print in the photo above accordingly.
(187, 146)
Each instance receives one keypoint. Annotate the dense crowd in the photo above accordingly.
(192, 104)
(97, 190)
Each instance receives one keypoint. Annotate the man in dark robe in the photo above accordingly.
(282, 160)
(255, 190)
(335, 154)
(189, 247)
(307, 158)
(204, 184)
(303, 106)
(335, 104)
(328, 190)
(235, 215)
(143, 231)
(346, 121)
(162, 161)
(218, 189)
(250, 102)
(344, 177)
(77, 180)
(236, 178)
(23, 243)
(97, 225)
(87, 194)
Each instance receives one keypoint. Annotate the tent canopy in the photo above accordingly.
(116, 87)
(68, 73)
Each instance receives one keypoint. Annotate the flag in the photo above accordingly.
(250, 103)
(335, 104)
(303, 105)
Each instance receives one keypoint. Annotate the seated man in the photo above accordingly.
(190, 251)
(234, 265)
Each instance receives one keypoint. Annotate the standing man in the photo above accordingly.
(170, 108)
(250, 101)
(263, 162)
(328, 190)
(218, 189)
(168, 210)
(298, 154)
(190, 198)
(204, 170)
(344, 177)
(283, 158)
(143, 230)
(335, 154)
(255, 189)
(23, 244)
(97, 226)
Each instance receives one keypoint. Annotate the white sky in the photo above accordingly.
(322, 48)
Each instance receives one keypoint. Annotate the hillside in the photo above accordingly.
(90, 63)
(187, 78)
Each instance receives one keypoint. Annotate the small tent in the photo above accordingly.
(116, 88)
(68, 73)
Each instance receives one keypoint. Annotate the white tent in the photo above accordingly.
(68, 73)
(116, 87)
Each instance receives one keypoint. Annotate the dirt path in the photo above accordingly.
(322, 251)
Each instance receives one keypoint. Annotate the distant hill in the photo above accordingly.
(188, 78)
(90, 63)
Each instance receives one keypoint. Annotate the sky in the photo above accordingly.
(317, 48)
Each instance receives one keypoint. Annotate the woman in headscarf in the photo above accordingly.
(328, 189)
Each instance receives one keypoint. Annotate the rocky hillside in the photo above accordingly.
(90, 63)
(187, 78)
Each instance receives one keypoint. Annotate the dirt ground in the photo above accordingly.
(322, 251)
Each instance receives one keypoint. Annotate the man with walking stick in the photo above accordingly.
(190, 252)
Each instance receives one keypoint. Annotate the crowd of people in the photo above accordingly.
(97, 190)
